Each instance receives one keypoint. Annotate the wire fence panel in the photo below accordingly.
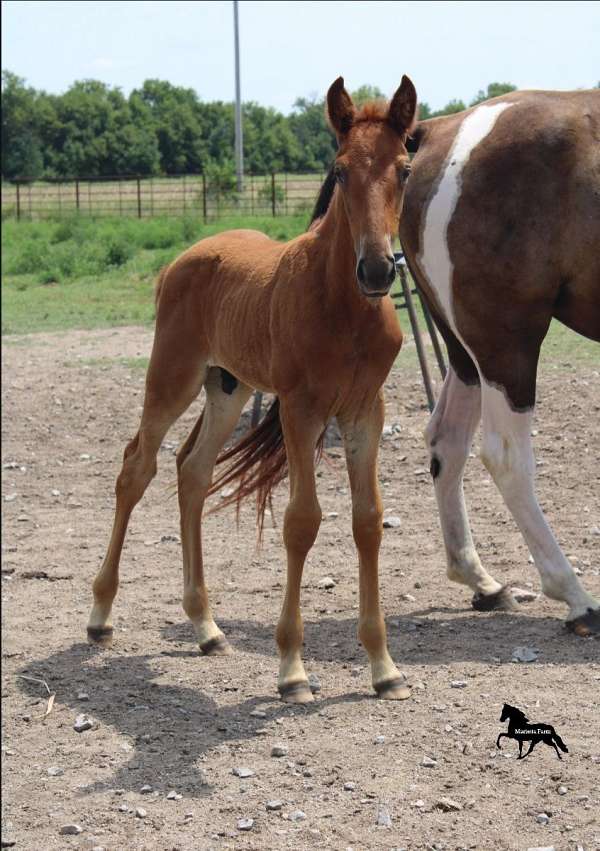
(178, 195)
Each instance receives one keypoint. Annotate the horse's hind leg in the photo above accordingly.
(195, 462)
(449, 435)
(508, 455)
(170, 388)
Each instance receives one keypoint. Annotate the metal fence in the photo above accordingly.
(179, 195)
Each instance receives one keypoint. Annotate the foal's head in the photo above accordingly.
(371, 169)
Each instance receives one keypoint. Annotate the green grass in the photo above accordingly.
(86, 273)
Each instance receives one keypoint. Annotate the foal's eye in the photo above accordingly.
(404, 173)
(340, 173)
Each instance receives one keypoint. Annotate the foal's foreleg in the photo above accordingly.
(195, 464)
(361, 443)
(449, 436)
(508, 455)
(301, 525)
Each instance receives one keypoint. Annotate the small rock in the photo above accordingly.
(327, 582)
(55, 771)
(82, 695)
(84, 456)
(458, 684)
(297, 815)
(447, 805)
(419, 803)
(70, 830)
(542, 818)
(562, 790)
(146, 790)
(331, 515)
(174, 796)
(258, 713)
(274, 806)
(428, 762)
(379, 740)
(123, 808)
(245, 824)
(409, 598)
(82, 723)
(392, 522)
(542, 848)
(140, 813)
(349, 787)
(10, 497)
(279, 750)
(525, 654)
(383, 818)
(314, 683)
(242, 772)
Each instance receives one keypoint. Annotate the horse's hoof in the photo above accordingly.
(394, 689)
(500, 601)
(298, 692)
(584, 625)
(101, 636)
(217, 646)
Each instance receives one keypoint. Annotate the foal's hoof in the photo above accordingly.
(298, 692)
(394, 689)
(500, 601)
(100, 635)
(217, 646)
(588, 624)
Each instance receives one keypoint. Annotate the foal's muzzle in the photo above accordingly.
(375, 275)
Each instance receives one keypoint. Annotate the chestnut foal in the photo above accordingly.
(311, 321)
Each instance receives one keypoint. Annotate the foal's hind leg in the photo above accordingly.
(170, 388)
(195, 463)
(361, 442)
(507, 453)
(449, 436)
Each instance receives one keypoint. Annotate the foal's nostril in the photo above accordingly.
(392, 272)
(360, 271)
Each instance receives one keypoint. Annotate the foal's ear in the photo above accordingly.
(340, 109)
(402, 115)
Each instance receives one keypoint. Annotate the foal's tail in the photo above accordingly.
(258, 464)
(559, 742)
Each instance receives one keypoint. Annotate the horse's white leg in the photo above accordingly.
(449, 436)
(508, 455)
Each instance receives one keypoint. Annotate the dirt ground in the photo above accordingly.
(166, 717)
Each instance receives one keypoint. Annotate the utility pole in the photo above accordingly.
(239, 143)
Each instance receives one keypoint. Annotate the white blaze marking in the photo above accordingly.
(434, 258)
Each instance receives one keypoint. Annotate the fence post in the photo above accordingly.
(273, 192)
(18, 202)
(77, 195)
(139, 197)
(204, 197)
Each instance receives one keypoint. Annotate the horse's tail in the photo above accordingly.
(559, 742)
(259, 464)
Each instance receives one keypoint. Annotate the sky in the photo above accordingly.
(296, 49)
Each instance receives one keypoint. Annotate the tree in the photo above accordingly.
(494, 90)
(21, 145)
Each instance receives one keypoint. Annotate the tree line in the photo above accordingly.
(94, 130)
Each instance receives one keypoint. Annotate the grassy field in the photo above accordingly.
(85, 273)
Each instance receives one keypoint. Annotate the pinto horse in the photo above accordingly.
(310, 321)
(501, 232)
